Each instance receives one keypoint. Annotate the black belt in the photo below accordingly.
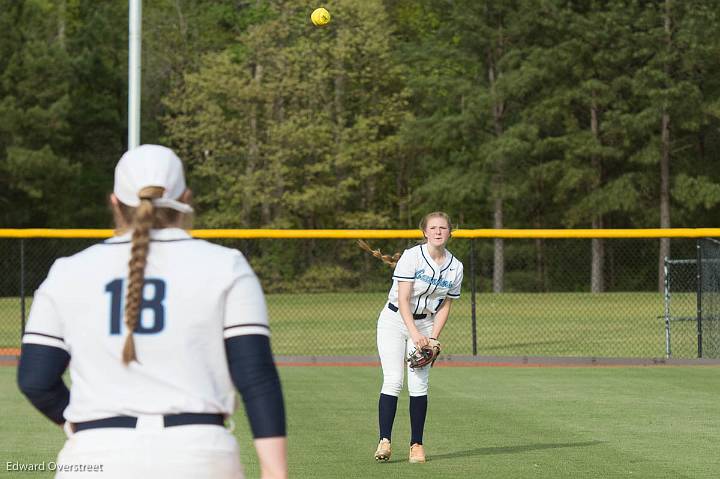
(394, 308)
(169, 420)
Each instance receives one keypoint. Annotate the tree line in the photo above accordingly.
(512, 114)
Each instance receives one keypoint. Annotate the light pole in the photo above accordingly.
(134, 72)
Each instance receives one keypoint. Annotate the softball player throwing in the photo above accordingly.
(156, 328)
(426, 279)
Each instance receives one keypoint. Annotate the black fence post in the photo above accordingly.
(699, 298)
(666, 302)
(472, 296)
(22, 287)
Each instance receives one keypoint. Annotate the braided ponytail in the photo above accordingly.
(385, 258)
(392, 260)
(143, 220)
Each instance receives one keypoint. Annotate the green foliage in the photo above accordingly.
(34, 129)
(544, 113)
(696, 192)
(300, 128)
(318, 279)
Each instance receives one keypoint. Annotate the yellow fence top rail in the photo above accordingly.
(389, 234)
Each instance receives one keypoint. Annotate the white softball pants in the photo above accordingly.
(394, 346)
(152, 451)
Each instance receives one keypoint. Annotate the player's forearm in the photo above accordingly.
(441, 318)
(404, 309)
(406, 315)
(272, 455)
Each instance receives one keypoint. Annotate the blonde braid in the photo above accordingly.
(142, 222)
(391, 260)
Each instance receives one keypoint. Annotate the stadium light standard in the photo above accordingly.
(134, 63)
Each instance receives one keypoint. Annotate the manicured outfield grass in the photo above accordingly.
(645, 422)
(10, 321)
(549, 324)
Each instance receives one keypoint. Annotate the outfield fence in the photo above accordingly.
(324, 293)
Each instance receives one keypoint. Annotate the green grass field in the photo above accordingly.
(644, 422)
(510, 324)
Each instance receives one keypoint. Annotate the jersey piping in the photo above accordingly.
(246, 326)
(46, 335)
(439, 278)
(429, 285)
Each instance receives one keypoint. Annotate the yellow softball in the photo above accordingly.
(320, 17)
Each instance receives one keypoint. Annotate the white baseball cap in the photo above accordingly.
(151, 165)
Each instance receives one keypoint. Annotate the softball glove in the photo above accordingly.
(426, 355)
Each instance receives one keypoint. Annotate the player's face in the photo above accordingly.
(437, 231)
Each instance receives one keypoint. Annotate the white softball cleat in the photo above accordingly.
(417, 454)
(382, 454)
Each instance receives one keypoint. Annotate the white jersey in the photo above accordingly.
(196, 294)
(432, 282)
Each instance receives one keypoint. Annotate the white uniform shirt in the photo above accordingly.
(196, 294)
(432, 282)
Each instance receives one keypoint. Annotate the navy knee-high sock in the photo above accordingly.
(418, 411)
(387, 406)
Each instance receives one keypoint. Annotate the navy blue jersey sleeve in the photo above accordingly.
(39, 377)
(254, 374)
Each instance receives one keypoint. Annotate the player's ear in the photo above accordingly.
(186, 220)
(120, 222)
(115, 205)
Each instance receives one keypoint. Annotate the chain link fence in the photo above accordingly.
(709, 298)
(680, 315)
(324, 296)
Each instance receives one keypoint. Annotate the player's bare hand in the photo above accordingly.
(419, 340)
